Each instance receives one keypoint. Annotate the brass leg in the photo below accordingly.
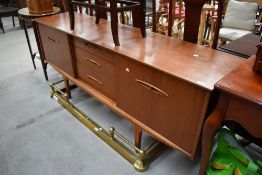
(67, 87)
(137, 135)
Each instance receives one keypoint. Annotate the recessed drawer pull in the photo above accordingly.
(52, 39)
(95, 80)
(91, 45)
(151, 87)
(92, 61)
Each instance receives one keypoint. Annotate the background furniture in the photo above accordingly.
(113, 9)
(194, 8)
(244, 47)
(7, 9)
(145, 82)
(246, 12)
(24, 15)
(240, 101)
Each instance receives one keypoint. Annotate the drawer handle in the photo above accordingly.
(91, 45)
(95, 80)
(151, 87)
(92, 61)
(52, 39)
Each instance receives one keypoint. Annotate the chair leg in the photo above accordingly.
(97, 12)
(1, 25)
(13, 21)
(142, 19)
(114, 26)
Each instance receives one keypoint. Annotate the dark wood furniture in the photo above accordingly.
(125, 5)
(240, 101)
(258, 63)
(24, 16)
(5, 11)
(194, 8)
(161, 85)
(244, 47)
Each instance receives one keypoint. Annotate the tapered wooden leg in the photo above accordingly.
(67, 87)
(137, 135)
(211, 125)
(71, 14)
(114, 28)
(142, 18)
(97, 12)
(170, 17)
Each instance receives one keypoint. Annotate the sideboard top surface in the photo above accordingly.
(193, 63)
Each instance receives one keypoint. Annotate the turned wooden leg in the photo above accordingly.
(114, 28)
(67, 87)
(137, 135)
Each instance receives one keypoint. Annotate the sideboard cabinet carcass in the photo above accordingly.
(161, 85)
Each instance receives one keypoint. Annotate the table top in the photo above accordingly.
(243, 82)
(193, 63)
(24, 13)
(243, 47)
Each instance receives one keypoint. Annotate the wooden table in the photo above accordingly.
(244, 47)
(25, 15)
(240, 101)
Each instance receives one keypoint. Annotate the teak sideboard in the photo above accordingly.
(161, 85)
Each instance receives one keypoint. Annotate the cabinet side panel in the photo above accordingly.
(56, 48)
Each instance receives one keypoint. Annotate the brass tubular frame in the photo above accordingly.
(139, 158)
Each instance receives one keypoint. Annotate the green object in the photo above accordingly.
(230, 158)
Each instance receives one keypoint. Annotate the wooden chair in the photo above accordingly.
(138, 9)
(6, 11)
(168, 12)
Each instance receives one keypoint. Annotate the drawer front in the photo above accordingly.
(173, 108)
(105, 85)
(99, 65)
(94, 49)
(56, 48)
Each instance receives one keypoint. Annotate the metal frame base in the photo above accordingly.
(139, 158)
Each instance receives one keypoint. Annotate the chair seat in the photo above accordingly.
(231, 33)
(8, 11)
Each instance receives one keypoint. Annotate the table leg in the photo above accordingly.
(211, 125)
(44, 64)
(28, 43)
(138, 135)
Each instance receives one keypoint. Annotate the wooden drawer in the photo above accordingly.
(94, 49)
(56, 48)
(105, 85)
(170, 107)
(91, 61)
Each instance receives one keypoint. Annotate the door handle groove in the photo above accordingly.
(91, 45)
(93, 61)
(52, 39)
(151, 87)
(95, 80)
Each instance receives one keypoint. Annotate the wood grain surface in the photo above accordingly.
(190, 62)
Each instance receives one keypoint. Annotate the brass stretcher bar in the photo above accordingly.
(139, 158)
